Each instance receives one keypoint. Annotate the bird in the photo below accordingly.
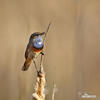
(33, 49)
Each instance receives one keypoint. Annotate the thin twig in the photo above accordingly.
(46, 32)
(54, 91)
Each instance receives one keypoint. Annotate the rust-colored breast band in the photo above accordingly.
(36, 50)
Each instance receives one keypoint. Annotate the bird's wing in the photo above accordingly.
(27, 51)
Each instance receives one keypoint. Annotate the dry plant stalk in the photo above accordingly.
(54, 91)
(40, 86)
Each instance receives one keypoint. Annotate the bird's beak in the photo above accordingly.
(42, 33)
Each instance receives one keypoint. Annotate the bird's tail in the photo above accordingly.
(26, 64)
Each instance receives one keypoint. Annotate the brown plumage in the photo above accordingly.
(31, 52)
(29, 55)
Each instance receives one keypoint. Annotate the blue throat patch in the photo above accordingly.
(38, 43)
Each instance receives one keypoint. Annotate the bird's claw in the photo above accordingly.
(41, 53)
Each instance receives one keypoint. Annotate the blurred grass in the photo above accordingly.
(72, 53)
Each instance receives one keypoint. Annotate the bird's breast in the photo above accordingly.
(36, 49)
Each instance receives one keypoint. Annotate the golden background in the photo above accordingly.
(72, 57)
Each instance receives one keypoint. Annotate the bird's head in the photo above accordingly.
(36, 34)
(36, 39)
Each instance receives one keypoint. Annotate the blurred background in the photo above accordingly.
(72, 53)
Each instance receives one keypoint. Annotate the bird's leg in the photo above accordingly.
(41, 53)
(41, 58)
(35, 65)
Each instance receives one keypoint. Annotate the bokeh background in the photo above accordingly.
(72, 50)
